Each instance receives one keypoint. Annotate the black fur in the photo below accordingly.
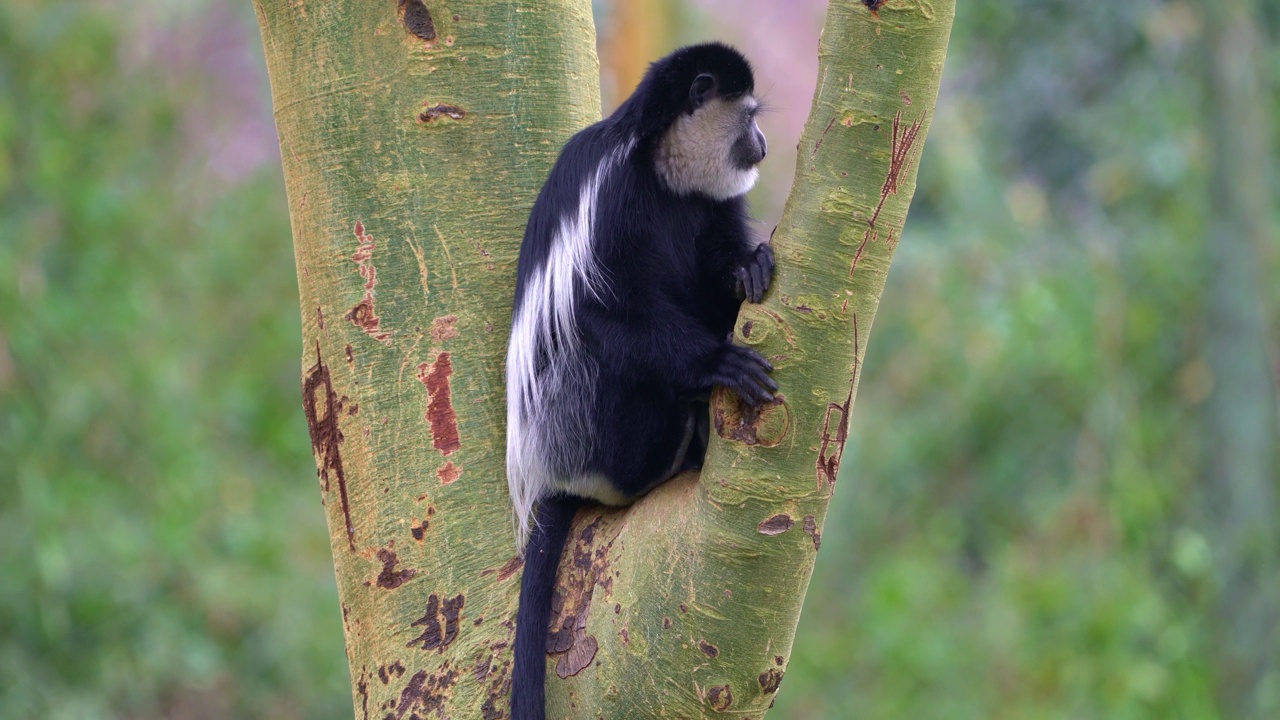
(674, 270)
(541, 558)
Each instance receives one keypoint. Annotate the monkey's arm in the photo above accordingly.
(731, 255)
(680, 350)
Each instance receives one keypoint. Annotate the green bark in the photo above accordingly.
(1243, 434)
(411, 160)
(410, 164)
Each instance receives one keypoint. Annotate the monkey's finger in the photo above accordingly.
(758, 375)
(751, 355)
(758, 284)
(765, 253)
(751, 393)
(742, 289)
(751, 368)
(754, 395)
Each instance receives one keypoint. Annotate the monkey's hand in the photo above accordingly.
(745, 372)
(755, 276)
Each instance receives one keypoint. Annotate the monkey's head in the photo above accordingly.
(697, 108)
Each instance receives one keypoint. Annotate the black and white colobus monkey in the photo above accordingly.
(635, 259)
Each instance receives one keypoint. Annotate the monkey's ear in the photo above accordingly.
(702, 89)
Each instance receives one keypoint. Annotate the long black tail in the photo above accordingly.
(541, 558)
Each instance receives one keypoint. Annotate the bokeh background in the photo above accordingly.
(1060, 498)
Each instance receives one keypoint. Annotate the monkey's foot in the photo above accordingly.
(745, 372)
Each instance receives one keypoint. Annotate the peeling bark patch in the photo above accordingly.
(386, 672)
(577, 658)
(776, 525)
(440, 414)
(363, 314)
(720, 697)
(588, 567)
(445, 328)
(489, 710)
(449, 473)
(320, 317)
(363, 688)
(435, 112)
(811, 527)
(419, 529)
(771, 680)
(435, 635)
(390, 578)
(326, 436)
(425, 693)
(496, 703)
(708, 649)
(418, 19)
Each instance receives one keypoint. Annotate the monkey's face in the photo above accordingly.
(713, 150)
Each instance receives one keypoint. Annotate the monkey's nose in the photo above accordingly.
(764, 146)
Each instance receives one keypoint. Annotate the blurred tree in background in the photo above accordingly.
(1034, 535)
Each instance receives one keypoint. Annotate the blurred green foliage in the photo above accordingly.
(1018, 538)
(163, 553)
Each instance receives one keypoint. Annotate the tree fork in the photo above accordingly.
(414, 137)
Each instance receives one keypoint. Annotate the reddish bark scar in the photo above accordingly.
(811, 527)
(901, 143)
(818, 144)
(828, 463)
(363, 314)
(440, 414)
(449, 473)
(326, 436)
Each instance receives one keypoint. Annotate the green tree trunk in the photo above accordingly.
(414, 138)
(1243, 434)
